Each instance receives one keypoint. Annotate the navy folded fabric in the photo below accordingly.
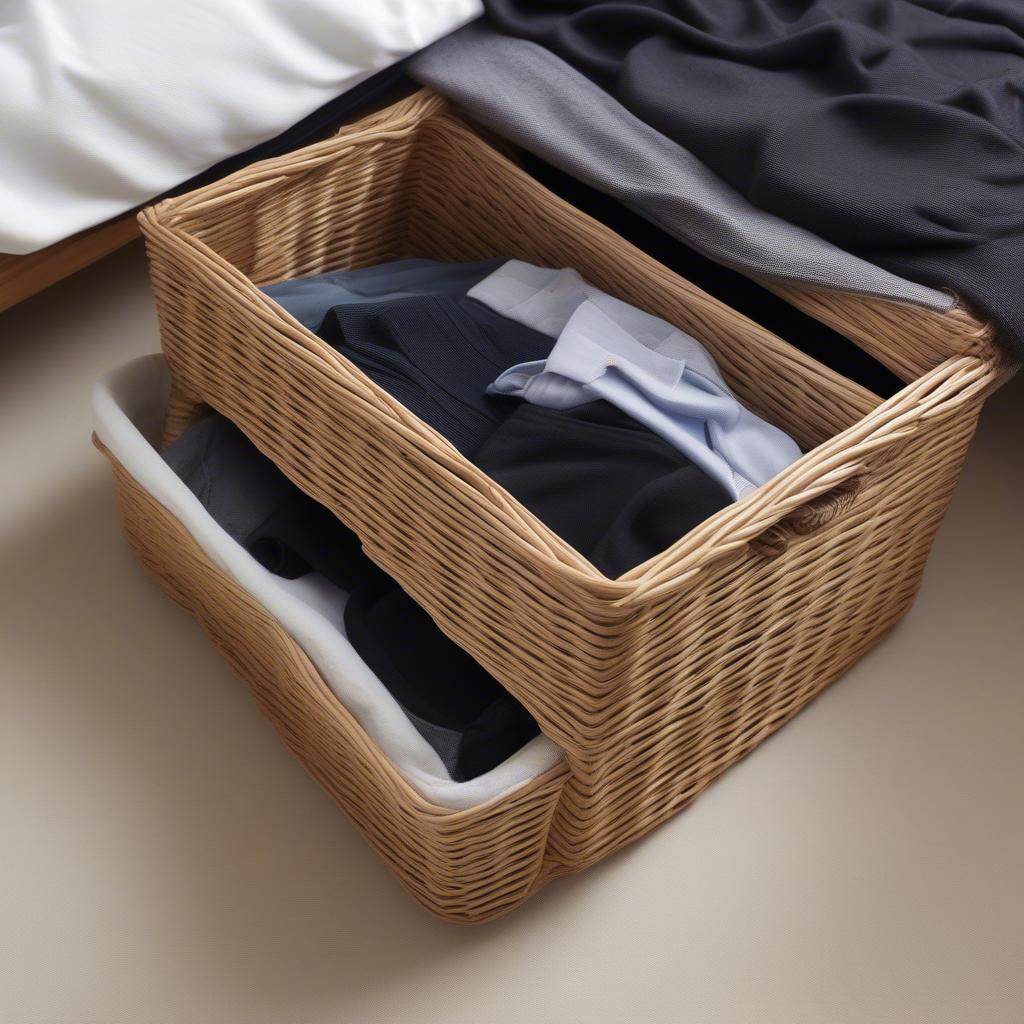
(891, 128)
(410, 328)
(431, 355)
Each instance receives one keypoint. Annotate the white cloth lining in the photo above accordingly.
(128, 407)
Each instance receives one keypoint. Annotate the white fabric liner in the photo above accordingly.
(128, 411)
(109, 103)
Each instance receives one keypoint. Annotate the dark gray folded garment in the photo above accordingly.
(891, 128)
(460, 710)
(237, 484)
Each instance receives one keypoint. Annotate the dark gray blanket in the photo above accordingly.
(891, 128)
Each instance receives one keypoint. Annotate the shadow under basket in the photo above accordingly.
(652, 684)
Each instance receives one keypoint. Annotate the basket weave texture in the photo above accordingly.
(653, 683)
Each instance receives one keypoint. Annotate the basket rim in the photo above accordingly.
(940, 392)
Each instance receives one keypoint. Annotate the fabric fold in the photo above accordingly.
(892, 129)
(617, 492)
(535, 99)
(660, 376)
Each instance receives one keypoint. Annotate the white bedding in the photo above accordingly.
(105, 104)
(128, 407)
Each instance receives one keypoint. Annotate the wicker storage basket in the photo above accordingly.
(653, 683)
(462, 865)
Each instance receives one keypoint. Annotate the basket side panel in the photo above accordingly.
(751, 642)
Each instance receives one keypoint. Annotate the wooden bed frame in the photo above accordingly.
(24, 276)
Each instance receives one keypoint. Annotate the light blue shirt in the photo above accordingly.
(659, 375)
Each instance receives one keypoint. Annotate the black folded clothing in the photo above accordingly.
(436, 357)
(436, 681)
(301, 536)
(616, 491)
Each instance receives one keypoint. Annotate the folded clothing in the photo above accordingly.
(237, 484)
(300, 536)
(427, 352)
(444, 339)
(614, 490)
(409, 326)
(661, 376)
(460, 710)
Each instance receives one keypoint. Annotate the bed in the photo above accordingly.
(110, 105)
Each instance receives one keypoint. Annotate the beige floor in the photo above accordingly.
(162, 859)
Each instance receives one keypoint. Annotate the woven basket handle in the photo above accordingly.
(774, 540)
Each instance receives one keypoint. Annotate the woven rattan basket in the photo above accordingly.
(653, 683)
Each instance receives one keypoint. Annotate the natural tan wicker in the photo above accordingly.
(653, 683)
(427, 846)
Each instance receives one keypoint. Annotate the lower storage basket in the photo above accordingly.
(464, 865)
(652, 683)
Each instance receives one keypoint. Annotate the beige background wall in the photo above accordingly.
(162, 859)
